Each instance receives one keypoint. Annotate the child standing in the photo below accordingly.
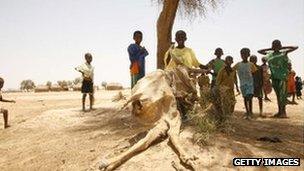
(299, 87)
(291, 84)
(216, 64)
(87, 71)
(4, 111)
(137, 55)
(225, 81)
(258, 83)
(267, 88)
(278, 64)
(181, 55)
(245, 69)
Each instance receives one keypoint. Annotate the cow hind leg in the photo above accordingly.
(157, 132)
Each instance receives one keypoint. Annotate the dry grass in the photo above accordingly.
(213, 114)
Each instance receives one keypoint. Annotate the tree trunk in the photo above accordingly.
(164, 29)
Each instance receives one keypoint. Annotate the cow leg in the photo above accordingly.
(173, 135)
(159, 130)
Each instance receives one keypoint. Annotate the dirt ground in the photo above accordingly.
(49, 132)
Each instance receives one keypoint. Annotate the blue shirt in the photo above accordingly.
(137, 53)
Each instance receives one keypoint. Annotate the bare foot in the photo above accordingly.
(6, 126)
(280, 115)
(92, 109)
(294, 103)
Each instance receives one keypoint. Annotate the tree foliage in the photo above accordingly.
(27, 85)
(194, 8)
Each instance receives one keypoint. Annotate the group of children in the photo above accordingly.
(254, 79)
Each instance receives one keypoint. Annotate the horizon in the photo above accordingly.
(44, 40)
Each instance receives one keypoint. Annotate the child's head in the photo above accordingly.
(218, 52)
(88, 57)
(1, 83)
(137, 37)
(180, 37)
(276, 45)
(245, 53)
(229, 60)
(253, 59)
(297, 78)
(264, 60)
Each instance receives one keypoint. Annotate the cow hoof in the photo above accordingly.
(103, 164)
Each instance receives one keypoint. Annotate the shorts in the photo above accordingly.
(258, 92)
(247, 90)
(87, 86)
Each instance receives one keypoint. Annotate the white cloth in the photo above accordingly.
(87, 70)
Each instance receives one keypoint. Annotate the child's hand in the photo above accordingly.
(13, 101)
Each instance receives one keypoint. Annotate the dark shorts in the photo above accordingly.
(258, 92)
(87, 86)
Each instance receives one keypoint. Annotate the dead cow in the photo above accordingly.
(154, 102)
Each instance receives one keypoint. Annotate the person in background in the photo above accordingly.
(258, 83)
(299, 87)
(137, 55)
(87, 71)
(2, 110)
(216, 64)
(277, 57)
(245, 69)
(291, 84)
(267, 88)
(225, 81)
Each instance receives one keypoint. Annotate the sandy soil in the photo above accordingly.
(49, 132)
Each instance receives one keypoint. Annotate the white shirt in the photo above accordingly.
(87, 70)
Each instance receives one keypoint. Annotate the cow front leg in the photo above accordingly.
(173, 135)
(158, 131)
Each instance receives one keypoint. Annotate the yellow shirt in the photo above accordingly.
(225, 79)
(184, 55)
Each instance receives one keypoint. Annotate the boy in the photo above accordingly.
(137, 55)
(258, 83)
(87, 71)
(278, 64)
(181, 55)
(225, 81)
(291, 84)
(267, 88)
(299, 87)
(216, 65)
(4, 111)
(245, 69)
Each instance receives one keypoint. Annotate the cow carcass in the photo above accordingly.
(154, 102)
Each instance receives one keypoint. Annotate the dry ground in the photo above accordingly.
(49, 132)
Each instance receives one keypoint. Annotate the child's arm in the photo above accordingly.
(236, 83)
(290, 48)
(9, 101)
(264, 51)
(77, 69)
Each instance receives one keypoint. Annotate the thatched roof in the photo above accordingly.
(41, 88)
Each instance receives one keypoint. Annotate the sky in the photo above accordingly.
(45, 40)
